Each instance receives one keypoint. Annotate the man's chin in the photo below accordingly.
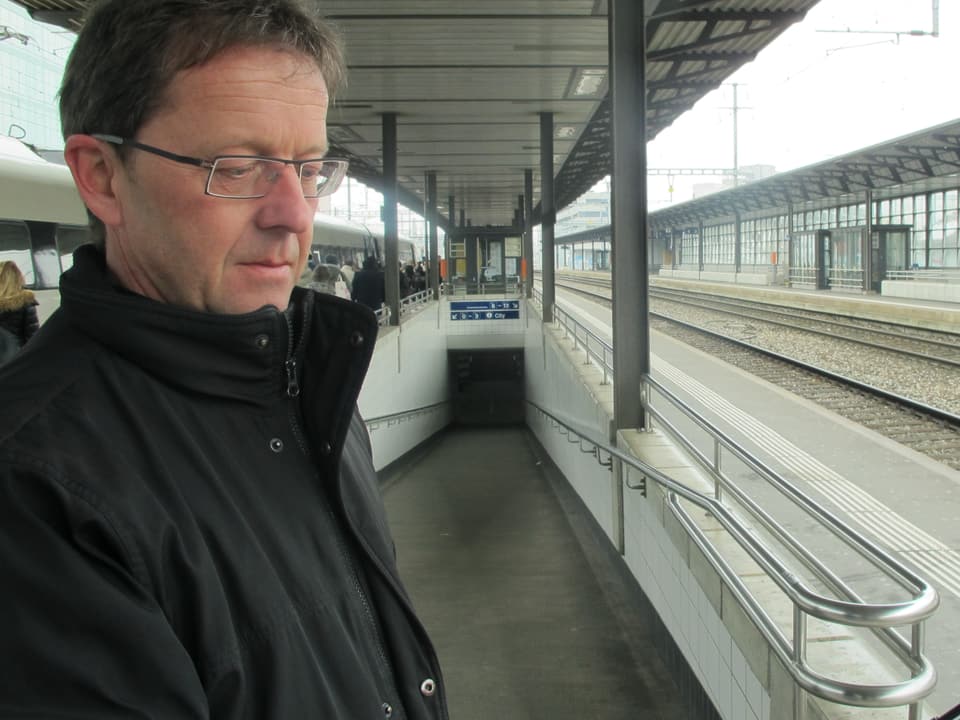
(241, 305)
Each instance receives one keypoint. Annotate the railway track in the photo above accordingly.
(844, 366)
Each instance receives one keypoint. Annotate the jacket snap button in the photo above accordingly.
(276, 444)
(428, 687)
(356, 339)
(262, 341)
(387, 710)
(325, 448)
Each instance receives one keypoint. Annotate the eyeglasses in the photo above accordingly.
(251, 176)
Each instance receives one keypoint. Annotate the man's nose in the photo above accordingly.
(287, 206)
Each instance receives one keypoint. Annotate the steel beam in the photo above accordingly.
(433, 276)
(548, 214)
(391, 245)
(631, 334)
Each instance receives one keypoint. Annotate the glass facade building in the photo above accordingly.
(32, 58)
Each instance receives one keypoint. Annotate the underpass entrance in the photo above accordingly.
(486, 386)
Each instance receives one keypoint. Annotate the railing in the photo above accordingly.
(926, 275)
(511, 286)
(841, 279)
(415, 301)
(847, 608)
(597, 350)
(408, 304)
(803, 276)
(397, 418)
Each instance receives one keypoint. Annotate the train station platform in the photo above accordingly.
(482, 423)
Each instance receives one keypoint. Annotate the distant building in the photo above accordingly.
(748, 174)
(590, 210)
(32, 58)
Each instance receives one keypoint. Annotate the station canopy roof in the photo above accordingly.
(922, 161)
(468, 81)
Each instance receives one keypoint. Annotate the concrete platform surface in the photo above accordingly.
(532, 612)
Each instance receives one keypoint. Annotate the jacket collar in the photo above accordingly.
(243, 357)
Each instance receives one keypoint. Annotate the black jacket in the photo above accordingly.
(190, 524)
(18, 315)
(368, 288)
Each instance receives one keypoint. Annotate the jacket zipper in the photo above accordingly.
(293, 392)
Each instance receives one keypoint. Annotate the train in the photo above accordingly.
(336, 239)
(42, 221)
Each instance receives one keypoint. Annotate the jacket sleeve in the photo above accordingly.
(79, 635)
(31, 322)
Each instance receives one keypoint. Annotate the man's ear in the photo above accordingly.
(95, 166)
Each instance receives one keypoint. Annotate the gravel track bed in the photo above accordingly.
(931, 383)
(936, 439)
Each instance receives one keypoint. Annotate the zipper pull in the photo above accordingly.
(293, 385)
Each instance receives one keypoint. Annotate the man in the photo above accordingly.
(190, 525)
(368, 284)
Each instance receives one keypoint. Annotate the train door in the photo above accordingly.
(889, 249)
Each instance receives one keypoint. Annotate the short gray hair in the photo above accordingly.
(128, 52)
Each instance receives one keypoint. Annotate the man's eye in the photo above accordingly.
(237, 170)
(310, 172)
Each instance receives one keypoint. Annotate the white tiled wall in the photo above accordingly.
(689, 615)
(556, 383)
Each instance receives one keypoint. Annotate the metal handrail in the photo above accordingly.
(417, 298)
(398, 417)
(883, 617)
(925, 275)
(571, 326)
(850, 610)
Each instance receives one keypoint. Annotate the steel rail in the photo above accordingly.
(935, 412)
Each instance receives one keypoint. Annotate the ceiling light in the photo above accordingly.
(587, 82)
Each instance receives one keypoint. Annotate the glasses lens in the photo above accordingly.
(252, 177)
(321, 177)
(243, 176)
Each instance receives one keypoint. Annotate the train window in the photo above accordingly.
(15, 245)
(69, 238)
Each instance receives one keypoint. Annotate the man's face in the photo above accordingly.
(178, 245)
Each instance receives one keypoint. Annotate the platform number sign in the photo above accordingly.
(485, 310)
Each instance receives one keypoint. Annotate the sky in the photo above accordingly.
(812, 95)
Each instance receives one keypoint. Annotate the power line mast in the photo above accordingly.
(736, 135)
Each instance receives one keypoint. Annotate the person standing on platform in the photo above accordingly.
(348, 272)
(368, 285)
(190, 521)
(18, 311)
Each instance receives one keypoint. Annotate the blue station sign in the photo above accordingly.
(485, 310)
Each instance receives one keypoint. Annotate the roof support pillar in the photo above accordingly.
(433, 277)
(391, 245)
(528, 229)
(451, 234)
(548, 214)
(631, 333)
(866, 251)
(737, 243)
(700, 245)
